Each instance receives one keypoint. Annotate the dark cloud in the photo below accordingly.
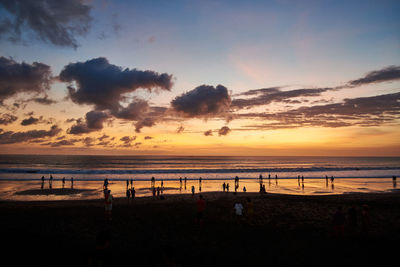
(55, 22)
(224, 131)
(362, 111)
(31, 120)
(104, 85)
(6, 119)
(134, 111)
(88, 141)
(22, 77)
(208, 133)
(204, 101)
(389, 73)
(104, 136)
(146, 122)
(44, 100)
(93, 122)
(148, 137)
(127, 141)
(180, 129)
(11, 137)
(64, 142)
(274, 94)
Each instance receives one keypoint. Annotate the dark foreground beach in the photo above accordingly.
(285, 230)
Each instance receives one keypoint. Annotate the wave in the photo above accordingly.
(189, 171)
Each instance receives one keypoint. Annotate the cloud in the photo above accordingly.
(127, 141)
(31, 120)
(105, 85)
(146, 122)
(208, 133)
(362, 111)
(44, 100)
(274, 94)
(55, 22)
(203, 101)
(389, 73)
(180, 129)
(93, 122)
(6, 119)
(148, 137)
(224, 131)
(11, 137)
(134, 111)
(23, 78)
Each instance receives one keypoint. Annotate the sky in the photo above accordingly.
(261, 78)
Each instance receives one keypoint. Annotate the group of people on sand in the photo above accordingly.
(354, 221)
(51, 182)
(130, 190)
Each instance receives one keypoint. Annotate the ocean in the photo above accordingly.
(31, 167)
(20, 174)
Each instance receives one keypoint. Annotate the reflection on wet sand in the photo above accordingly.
(36, 189)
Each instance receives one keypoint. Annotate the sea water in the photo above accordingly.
(352, 174)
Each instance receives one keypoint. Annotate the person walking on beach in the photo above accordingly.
(238, 209)
(127, 184)
(237, 181)
(180, 183)
(153, 182)
(133, 192)
(201, 206)
(162, 186)
(108, 200)
(42, 185)
(193, 190)
(158, 191)
(128, 195)
(223, 186)
(105, 184)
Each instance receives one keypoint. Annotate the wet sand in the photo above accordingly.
(285, 230)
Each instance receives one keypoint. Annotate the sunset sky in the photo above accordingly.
(200, 77)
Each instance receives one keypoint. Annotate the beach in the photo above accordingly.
(284, 230)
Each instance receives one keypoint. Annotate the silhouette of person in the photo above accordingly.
(158, 191)
(249, 208)
(72, 182)
(154, 191)
(338, 222)
(200, 181)
(128, 195)
(133, 192)
(227, 187)
(223, 186)
(353, 221)
(51, 182)
(193, 190)
(108, 200)
(153, 182)
(201, 206)
(42, 185)
(244, 189)
(105, 184)
(332, 179)
(162, 186)
(185, 182)
(63, 182)
(394, 181)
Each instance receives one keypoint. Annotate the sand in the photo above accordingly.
(284, 230)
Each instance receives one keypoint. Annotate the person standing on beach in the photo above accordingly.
(201, 206)
(128, 195)
(180, 183)
(108, 200)
(332, 179)
(51, 182)
(105, 184)
(223, 186)
(227, 187)
(185, 182)
(42, 185)
(193, 190)
(394, 181)
(72, 182)
(153, 182)
(133, 192)
(63, 182)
